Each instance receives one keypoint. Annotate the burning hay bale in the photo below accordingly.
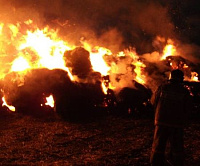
(78, 61)
(72, 99)
(132, 100)
(80, 101)
(28, 93)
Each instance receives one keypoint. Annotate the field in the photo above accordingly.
(105, 140)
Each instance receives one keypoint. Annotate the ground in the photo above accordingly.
(107, 140)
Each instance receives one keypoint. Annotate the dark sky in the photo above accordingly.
(126, 23)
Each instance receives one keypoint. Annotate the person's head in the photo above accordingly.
(177, 75)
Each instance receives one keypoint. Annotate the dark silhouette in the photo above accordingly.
(172, 103)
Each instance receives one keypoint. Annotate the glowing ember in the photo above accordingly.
(11, 108)
(194, 76)
(50, 101)
(185, 66)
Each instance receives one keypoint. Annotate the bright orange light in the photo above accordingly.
(49, 50)
(139, 65)
(20, 64)
(14, 29)
(169, 50)
(48, 47)
(111, 86)
(104, 88)
(185, 66)
(11, 108)
(97, 61)
(50, 101)
(1, 28)
(121, 54)
(138, 70)
(194, 76)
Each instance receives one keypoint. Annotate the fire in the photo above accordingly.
(14, 29)
(12, 108)
(169, 50)
(50, 101)
(97, 54)
(40, 49)
(1, 28)
(194, 76)
(104, 88)
(185, 66)
(34, 48)
(20, 64)
(139, 66)
(45, 45)
(121, 54)
(138, 70)
(97, 60)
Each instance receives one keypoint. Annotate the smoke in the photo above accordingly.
(126, 23)
(116, 25)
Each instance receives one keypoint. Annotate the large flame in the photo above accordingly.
(97, 58)
(20, 64)
(97, 61)
(49, 49)
(41, 48)
(169, 50)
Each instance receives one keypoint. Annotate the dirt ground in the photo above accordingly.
(106, 140)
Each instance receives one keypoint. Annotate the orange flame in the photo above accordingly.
(169, 50)
(50, 101)
(140, 77)
(97, 61)
(47, 48)
(96, 58)
(43, 48)
(139, 66)
(20, 64)
(194, 76)
(11, 108)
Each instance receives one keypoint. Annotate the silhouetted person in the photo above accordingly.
(172, 103)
